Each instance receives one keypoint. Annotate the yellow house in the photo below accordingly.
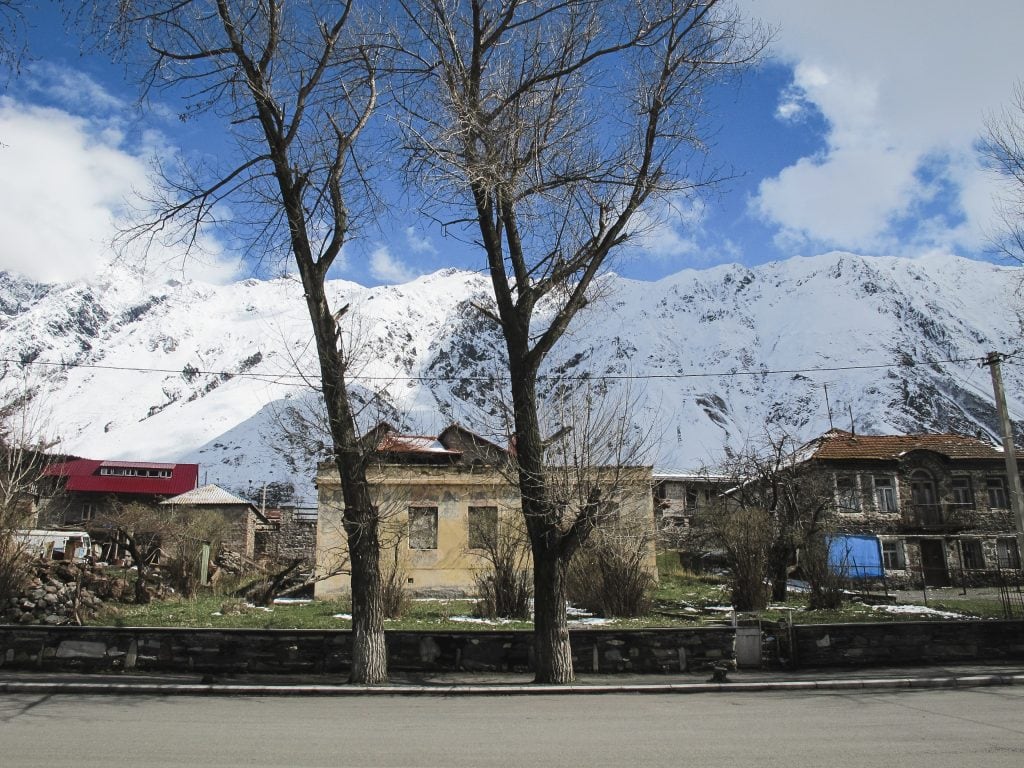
(436, 495)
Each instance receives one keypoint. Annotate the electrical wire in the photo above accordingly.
(268, 377)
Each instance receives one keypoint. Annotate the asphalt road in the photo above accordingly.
(933, 728)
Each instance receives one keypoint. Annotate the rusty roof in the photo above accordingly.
(393, 442)
(837, 444)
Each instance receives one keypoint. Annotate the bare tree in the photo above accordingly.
(294, 84)
(12, 44)
(183, 538)
(551, 124)
(1003, 147)
(24, 443)
(779, 504)
(138, 527)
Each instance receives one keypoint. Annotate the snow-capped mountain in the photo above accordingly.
(194, 372)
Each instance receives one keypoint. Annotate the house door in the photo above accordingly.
(933, 563)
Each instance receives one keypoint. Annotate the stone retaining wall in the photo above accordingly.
(917, 642)
(329, 652)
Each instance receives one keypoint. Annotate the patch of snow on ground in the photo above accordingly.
(571, 610)
(917, 610)
(478, 620)
(346, 616)
(592, 620)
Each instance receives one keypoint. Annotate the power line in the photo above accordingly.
(269, 377)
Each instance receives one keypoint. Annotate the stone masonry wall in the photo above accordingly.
(329, 652)
(924, 642)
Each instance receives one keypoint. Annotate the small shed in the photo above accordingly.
(242, 517)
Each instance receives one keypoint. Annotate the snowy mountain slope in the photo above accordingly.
(711, 357)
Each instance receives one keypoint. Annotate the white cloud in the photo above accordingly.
(66, 180)
(670, 230)
(388, 269)
(71, 88)
(904, 88)
(418, 244)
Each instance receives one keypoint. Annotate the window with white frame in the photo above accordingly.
(893, 557)
(961, 491)
(885, 493)
(998, 498)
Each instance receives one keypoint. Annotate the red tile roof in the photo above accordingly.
(838, 444)
(83, 475)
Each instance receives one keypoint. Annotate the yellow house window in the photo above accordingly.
(483, 527)
(422, 527)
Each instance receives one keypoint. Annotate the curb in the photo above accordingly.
(215, 689)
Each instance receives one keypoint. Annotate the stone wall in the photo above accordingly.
(289, 537)
(329, 652)
(919, 642)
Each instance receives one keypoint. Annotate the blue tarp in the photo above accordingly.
(856, 557)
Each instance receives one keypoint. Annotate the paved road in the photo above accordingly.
(933, 729)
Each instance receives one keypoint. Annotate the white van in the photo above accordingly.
(56, 545)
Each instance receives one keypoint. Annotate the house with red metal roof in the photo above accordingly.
(77, 492)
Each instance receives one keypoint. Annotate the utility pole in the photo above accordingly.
(1009, 451)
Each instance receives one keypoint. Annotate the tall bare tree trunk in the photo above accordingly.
(551, 647)
(369, 650)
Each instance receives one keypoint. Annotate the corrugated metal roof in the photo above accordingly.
(137, 465)
(208, 495)
(83, 476)
(838, 444)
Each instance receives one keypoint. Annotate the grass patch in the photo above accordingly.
(681, 599)
(216, 612)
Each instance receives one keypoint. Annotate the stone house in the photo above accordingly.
(679, 498)
(937, 503)
(436, 493)
(241, 518)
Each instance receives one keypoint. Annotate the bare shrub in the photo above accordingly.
(504, 585)
(611, 578)
(826, 582)
(394, 576)
(182, 541)
(13, 562)
(745, 535)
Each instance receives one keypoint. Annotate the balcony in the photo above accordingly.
(941, 518)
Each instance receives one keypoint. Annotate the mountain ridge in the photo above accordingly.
(709, 356)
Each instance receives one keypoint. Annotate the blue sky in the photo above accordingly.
(858, 133)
